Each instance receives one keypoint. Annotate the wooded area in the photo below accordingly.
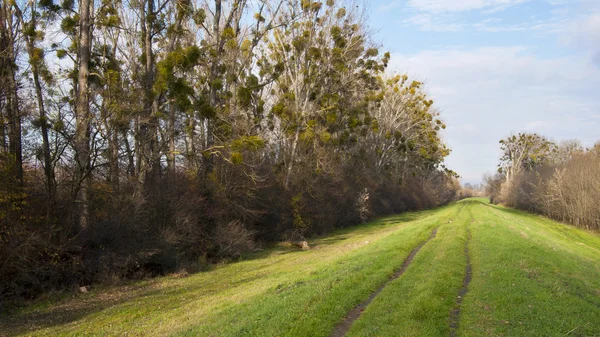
(140, 137)
(561, 181)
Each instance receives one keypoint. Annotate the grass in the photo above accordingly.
(530, 276)
(545, 277)
(419, 302)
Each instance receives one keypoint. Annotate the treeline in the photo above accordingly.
(469, 190)
(145, 136)
(561, 181)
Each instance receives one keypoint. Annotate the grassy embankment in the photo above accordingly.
(528, 276)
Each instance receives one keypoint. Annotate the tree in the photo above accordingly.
(405, 133)
(524, 151)
(148, 149)
(172, 128)
(39, 72)
(9, 35)
(82, 113)
(595, 149)
(566, 149)
(326, 78)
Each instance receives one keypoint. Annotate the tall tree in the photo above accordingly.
(9, 36)
(110, 84)
(82, 113)
(405, 129)
(328, 77)
(39, 71)
(149, 150)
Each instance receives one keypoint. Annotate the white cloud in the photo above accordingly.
(461, 5)
(454, 22)
(487, 93)
(495, 26)
(433, 23)
(583, 31)
(578, 29)
(389, 6)
(540, 126)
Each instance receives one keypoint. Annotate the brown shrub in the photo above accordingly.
(568, 191)
(233, 239)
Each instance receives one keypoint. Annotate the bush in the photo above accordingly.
(567, 191)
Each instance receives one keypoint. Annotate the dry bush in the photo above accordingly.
(573, 192)
(493, 186)
(568, 191)
(470, 191)
(233, 239)
(184, 221)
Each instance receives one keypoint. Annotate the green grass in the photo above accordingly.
(419, 302)
(530, 277)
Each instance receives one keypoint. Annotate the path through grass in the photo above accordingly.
(529, 277)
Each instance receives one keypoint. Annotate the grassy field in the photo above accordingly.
(516, 274)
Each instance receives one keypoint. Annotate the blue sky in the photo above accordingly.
(496, 67)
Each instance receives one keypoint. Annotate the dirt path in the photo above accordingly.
(342, 328)
(455, 313)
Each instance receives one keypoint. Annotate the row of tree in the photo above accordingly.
(141, 136)
(561, 181)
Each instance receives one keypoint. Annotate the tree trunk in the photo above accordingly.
(172, 108)
(35, 72)
(148, 162)
(4, 64)
(82, 116)
(130, 155)
(14, 126)
(113, 147)
(190, 146)
(172, 149)
(12, 105)
(48, 169)
(214, 73)
(292, 158)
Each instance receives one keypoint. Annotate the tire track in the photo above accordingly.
(342, 328)
(455, 313)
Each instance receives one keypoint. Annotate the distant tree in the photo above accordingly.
(595, 149)
(524, 151)
(566, 149)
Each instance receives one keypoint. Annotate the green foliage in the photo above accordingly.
(49, 5)
(237, 158)
(300, 223)
(69, 23)
(248, 143)
(68, 5)
(177, 87)
(199, 16)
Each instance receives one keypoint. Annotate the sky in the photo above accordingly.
(498, 67)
